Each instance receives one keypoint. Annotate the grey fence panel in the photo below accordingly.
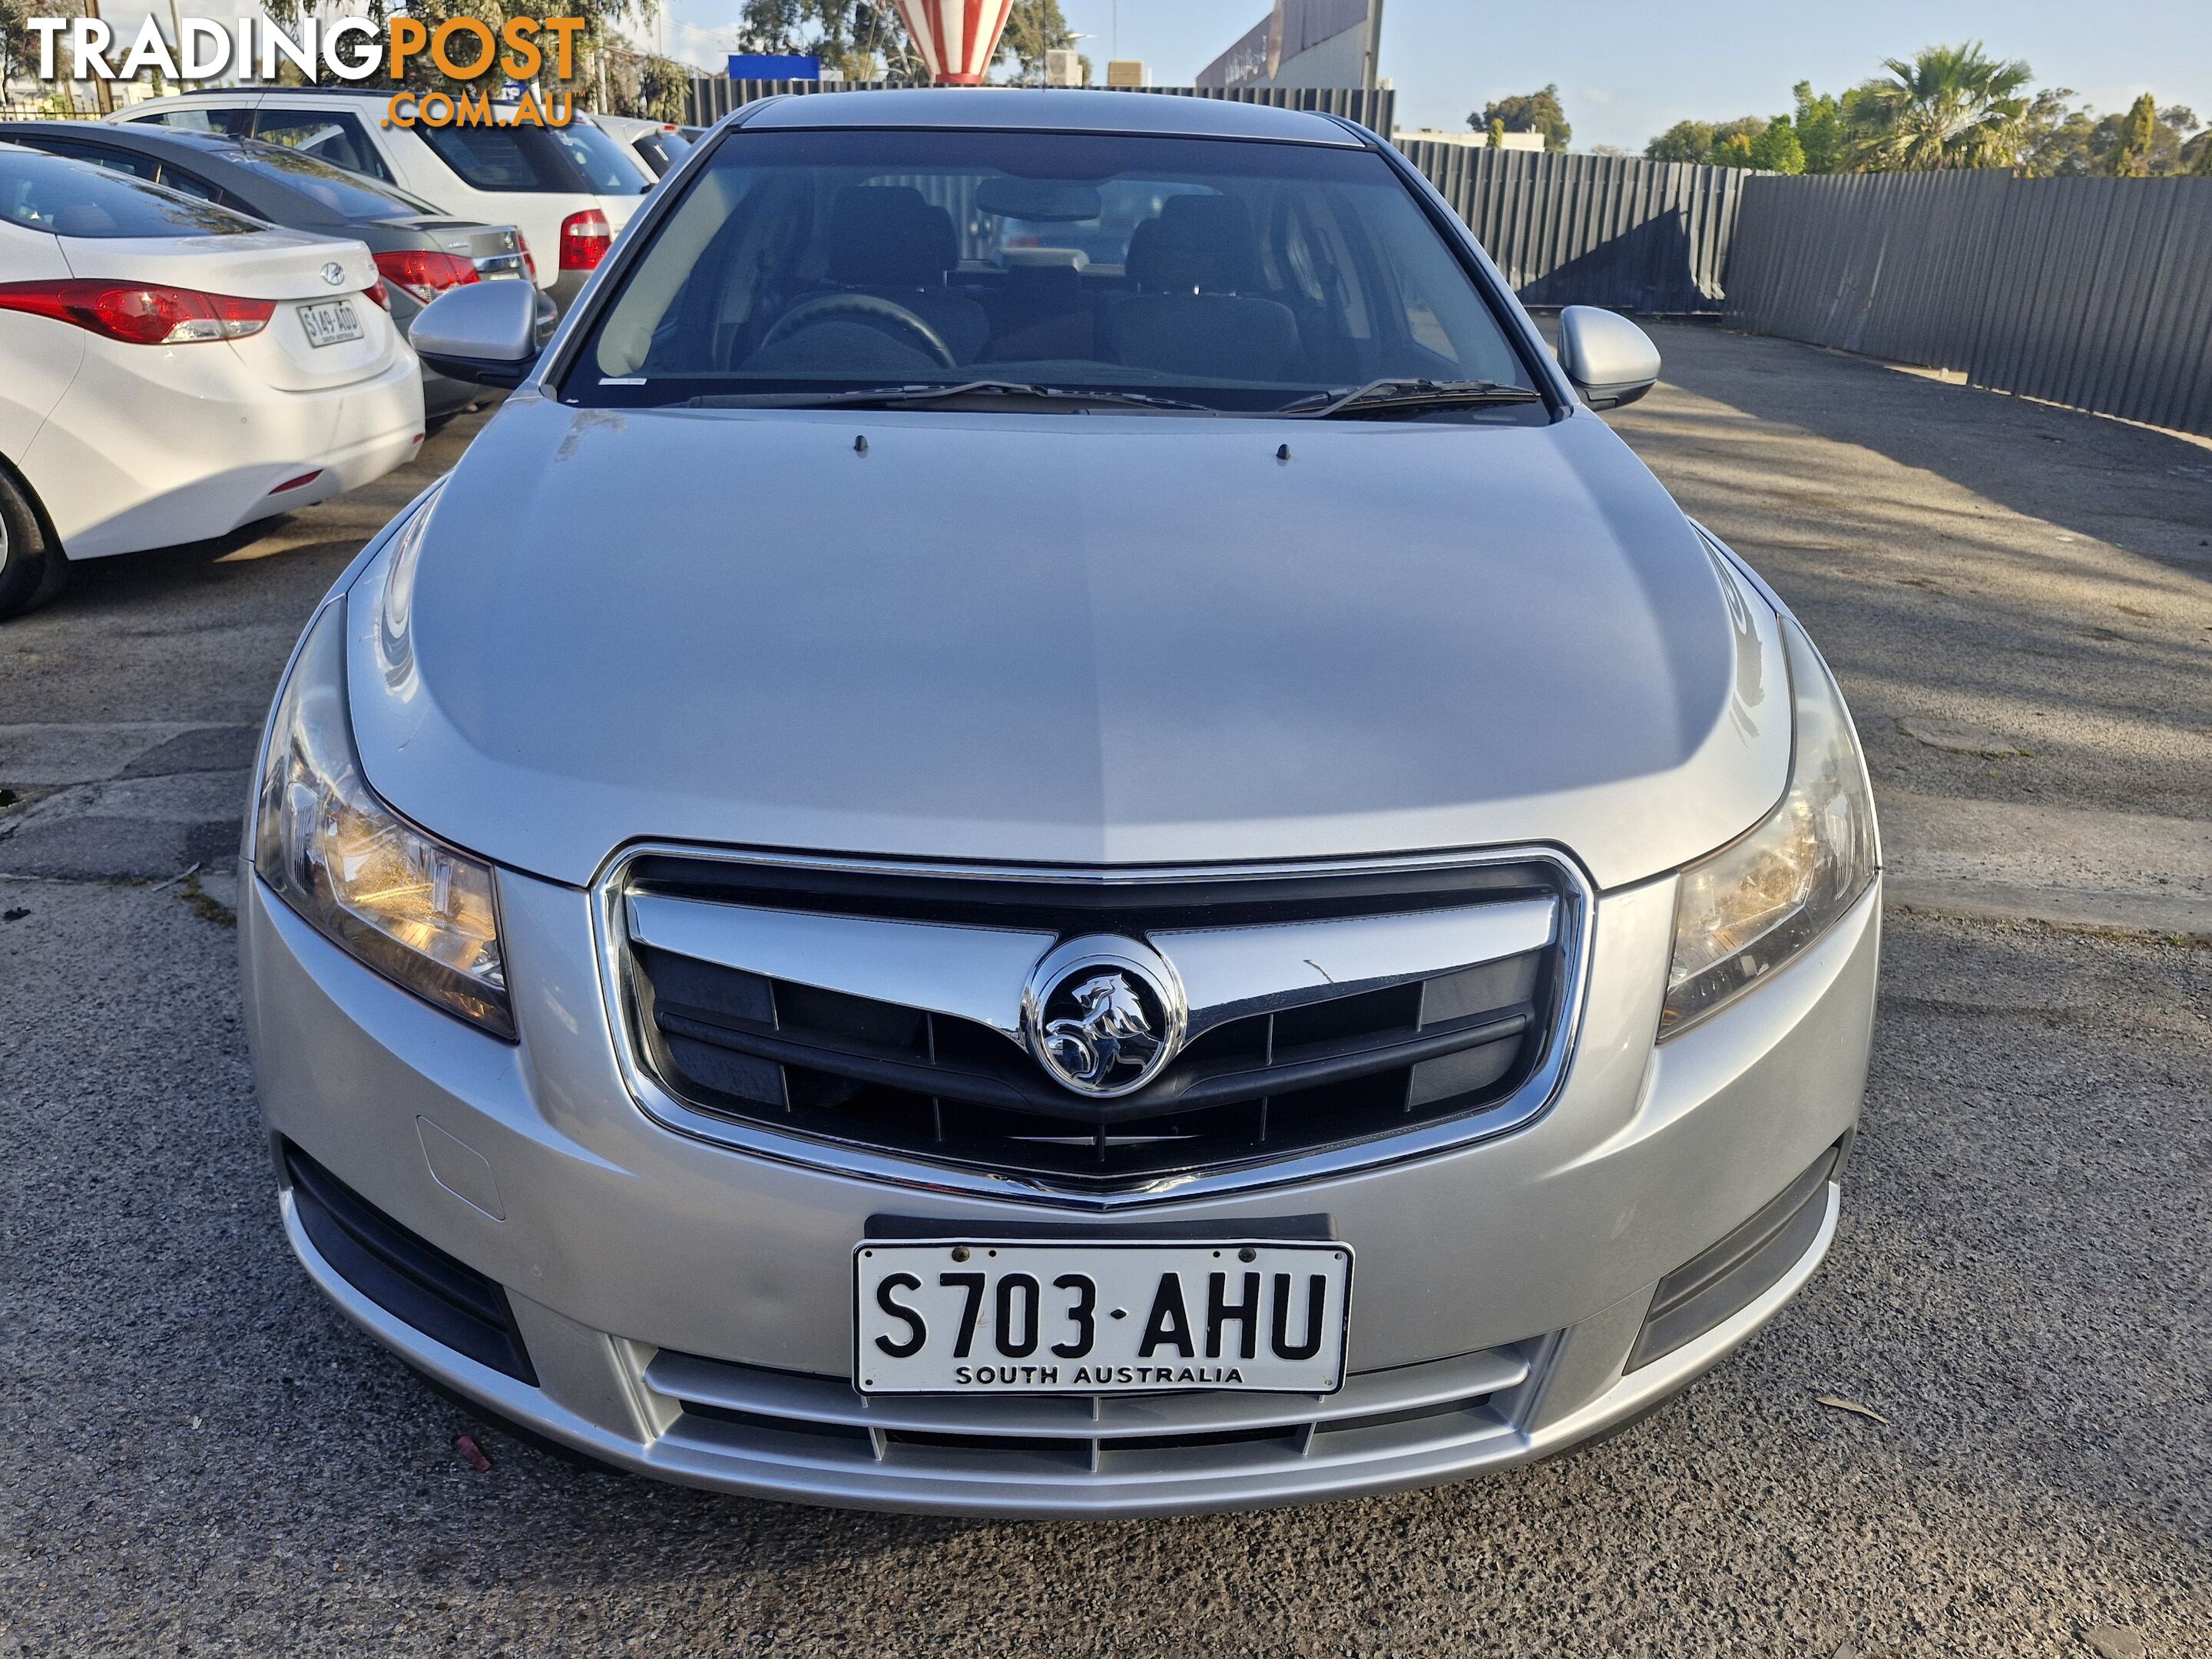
(1605, 230)
(2091, 292)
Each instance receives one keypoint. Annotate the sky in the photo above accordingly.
(1628, 69)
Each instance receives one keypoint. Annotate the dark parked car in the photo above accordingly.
(420, 252)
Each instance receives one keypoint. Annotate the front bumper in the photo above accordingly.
(687, 1307)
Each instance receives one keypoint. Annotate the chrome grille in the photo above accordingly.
(731, 1410)
(879, 1010)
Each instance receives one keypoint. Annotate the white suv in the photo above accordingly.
(567, 189)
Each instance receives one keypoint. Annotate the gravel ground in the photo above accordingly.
(197, 1455)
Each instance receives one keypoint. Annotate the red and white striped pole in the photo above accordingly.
(957, 38)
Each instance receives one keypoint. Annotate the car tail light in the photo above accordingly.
(140, 313)
(529, 264)
(301, 482)
(377, 294)
(426, 273)
(585, 239)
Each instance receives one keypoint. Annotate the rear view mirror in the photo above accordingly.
(486, 333)
(1039, 201)
(1610, 359)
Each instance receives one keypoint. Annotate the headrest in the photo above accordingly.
(1204, 243)
(887, 236)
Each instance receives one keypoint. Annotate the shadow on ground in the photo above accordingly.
(2033, 572)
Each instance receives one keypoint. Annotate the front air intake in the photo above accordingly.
(407, 1276)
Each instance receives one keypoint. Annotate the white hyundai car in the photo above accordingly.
(170, 370)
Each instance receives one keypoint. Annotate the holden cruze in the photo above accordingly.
(1046, 827)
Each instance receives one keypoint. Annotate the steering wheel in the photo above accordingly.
(828, 308)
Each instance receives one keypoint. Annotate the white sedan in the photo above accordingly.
(170, 370)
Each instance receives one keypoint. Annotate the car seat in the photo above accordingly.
(886, 240)
(1193, 315)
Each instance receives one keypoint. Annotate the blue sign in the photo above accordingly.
(774, 66)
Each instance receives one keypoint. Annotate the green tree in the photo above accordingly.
(2200, 163)
(1733, 141)
(2138, 134)
(770, 26)
(1821, 133)
(1749, 141)
(1034, 27)
(662, 83)
(1538, 112)
(1496, 134)
(16, 47)
(1777, 149)
(861, 39)
(2067, 141)
(1949, 106)
(1686, 141)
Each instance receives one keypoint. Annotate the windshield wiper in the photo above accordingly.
(886, 397)
(1378, 396)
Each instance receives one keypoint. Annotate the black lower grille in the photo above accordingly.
(1327, 1073)
(1721, 1281)
(405, 1275)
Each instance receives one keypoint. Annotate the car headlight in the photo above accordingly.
(415, 910)
(1752, 907)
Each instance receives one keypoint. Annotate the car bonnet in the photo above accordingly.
(1068, 639)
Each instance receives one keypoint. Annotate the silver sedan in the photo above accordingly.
(1046, 827)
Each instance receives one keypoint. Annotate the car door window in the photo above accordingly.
(65, 197)
(116, 160)
(333, 136)
(232, 122)
(192, 184)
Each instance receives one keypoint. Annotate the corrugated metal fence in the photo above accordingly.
(1599, 230)
(714, 96)
(2091, 292)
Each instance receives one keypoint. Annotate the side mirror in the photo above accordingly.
(486, 333)
(1610, 359)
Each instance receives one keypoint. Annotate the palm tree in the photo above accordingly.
(1950, 106)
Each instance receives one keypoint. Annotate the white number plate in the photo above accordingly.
(329, 322)
(999, 1317)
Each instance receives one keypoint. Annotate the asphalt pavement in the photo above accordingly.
(197, 1455)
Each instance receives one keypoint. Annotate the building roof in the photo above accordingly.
(1058, 109)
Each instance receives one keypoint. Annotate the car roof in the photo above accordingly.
(1054, 110)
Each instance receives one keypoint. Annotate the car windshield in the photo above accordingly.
(77, 198)
(1234, 275)
(346, 196)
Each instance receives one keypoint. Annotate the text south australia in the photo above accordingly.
(460, 49)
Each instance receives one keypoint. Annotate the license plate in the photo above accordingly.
(999, 1317)
(329, 322)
